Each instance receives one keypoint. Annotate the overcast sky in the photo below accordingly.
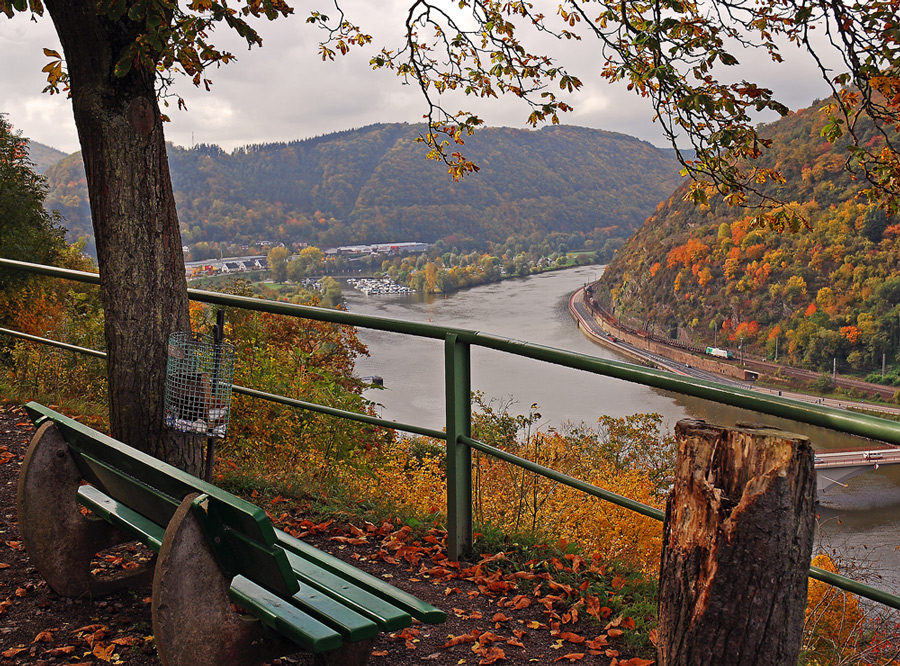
(283, 91)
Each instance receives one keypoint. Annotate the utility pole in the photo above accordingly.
(834, 371)
(776, 349)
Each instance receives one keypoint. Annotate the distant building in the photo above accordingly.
(377, 248)
(228, 265)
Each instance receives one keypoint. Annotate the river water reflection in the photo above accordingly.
(861, 521)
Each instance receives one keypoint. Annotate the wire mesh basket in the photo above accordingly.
(199, 374)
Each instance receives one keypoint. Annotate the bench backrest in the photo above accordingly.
(239, 533)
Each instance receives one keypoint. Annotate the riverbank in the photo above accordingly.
(753, 375)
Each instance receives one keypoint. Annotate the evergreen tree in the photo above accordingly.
(27, 231)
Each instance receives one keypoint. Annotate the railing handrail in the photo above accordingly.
(864, 425)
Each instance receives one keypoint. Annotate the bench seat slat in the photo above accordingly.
(237, 553)
(419, 609)
(125, 489)
(387, 616)
(283, 617)
(350, 624)
(122, 517)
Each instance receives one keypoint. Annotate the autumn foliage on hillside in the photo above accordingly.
(828, 291)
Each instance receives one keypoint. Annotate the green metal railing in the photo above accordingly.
(457, 387)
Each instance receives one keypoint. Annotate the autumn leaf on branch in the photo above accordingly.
(682, 62)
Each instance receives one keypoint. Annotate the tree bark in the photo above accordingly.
(142, 279)
(737, 542)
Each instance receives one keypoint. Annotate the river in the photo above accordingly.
(860, 521)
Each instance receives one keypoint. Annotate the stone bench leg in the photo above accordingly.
(349, 654)
(193, 622)
(59, 539)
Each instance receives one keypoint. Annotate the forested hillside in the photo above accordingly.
(375, 185)
(43, 156)
(824, 293)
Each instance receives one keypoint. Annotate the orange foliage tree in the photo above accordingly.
(300, 359)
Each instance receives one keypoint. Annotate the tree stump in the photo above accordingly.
(737, 542)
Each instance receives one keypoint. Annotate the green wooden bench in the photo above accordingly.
(212, 549)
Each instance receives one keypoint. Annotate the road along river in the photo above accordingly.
(862, 521)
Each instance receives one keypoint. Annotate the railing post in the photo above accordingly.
(458, 390)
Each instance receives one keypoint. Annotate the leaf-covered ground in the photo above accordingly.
(546, 612)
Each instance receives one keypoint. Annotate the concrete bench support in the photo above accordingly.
(193, 621)
(60, 540)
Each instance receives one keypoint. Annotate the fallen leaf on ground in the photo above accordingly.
(125, 640)
(464, 638)
(103, 652)
(90, 628)
(490, 655)
(12, 652)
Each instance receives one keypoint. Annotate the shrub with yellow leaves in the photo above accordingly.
(63, 311)
(515, 500)
(300, 359)
(837, 630)
(409, 474)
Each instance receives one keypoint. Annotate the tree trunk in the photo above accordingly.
(142, 280)
(737, 542)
